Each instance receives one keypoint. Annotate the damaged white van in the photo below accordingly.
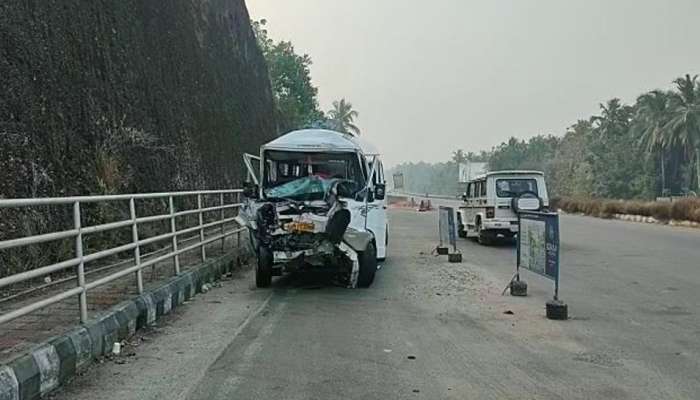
(315, 199)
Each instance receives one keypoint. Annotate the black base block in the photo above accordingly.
(557, 310)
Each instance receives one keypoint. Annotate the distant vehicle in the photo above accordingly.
(492, 201)
(317, 199)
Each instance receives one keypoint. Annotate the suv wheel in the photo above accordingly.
(368, 266)
(461, 227)
(484, 237)
(263, 271)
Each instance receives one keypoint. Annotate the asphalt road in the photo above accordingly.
(434, 330)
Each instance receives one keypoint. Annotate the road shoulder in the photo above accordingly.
(164, 361)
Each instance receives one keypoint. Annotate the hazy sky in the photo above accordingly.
(429, 77)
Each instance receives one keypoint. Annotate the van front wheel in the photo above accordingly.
(263, 271)
(368, 266)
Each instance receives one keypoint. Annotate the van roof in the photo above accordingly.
(320, 140)
(508, 172)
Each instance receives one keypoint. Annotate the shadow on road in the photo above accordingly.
(308, 279)
(498, 243)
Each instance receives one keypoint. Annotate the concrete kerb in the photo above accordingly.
(35, 374)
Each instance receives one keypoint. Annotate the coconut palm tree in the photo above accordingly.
(651, 116)
(683, 127)
(342, 117)
(614, 118)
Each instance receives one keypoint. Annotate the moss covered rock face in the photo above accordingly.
(128, 96)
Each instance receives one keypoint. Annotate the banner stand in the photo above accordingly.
(447, 232)
(517, 286)
(557, 309)
(538, 251)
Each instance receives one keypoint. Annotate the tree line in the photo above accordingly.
(627, 151)
(295, 95)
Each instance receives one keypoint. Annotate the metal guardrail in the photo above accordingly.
(426, 195)
(78, 232)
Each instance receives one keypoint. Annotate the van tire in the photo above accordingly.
(263, 270)
(368, 266)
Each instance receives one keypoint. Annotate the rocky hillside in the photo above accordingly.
(131, 95)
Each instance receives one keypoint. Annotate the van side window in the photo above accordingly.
(477, 189)
(483, 188)
(469, 190)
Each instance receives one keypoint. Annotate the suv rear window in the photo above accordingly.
(515, 187)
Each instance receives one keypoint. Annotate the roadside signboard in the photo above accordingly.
(398, 181)
(538, 244)
(447, 228)
(538, 251)
(469, 170)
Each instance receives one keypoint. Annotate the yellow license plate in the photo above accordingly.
(299, 227)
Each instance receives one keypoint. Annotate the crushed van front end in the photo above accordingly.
(294, 235)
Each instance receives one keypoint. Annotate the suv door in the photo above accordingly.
(469, 214)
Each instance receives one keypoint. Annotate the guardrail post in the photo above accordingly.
(176, 258)
(81, 266)
(238, 233)
(223, 216)
(201, 228)
(137, 249)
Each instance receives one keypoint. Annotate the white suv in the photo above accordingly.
(492, 202)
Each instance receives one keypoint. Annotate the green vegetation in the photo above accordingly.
(687, 209)
(342, 117)
(638, 151)
(296, 98)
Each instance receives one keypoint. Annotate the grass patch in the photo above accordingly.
(679, 210)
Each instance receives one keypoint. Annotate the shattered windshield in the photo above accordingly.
(303, 189)
(309, 176)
